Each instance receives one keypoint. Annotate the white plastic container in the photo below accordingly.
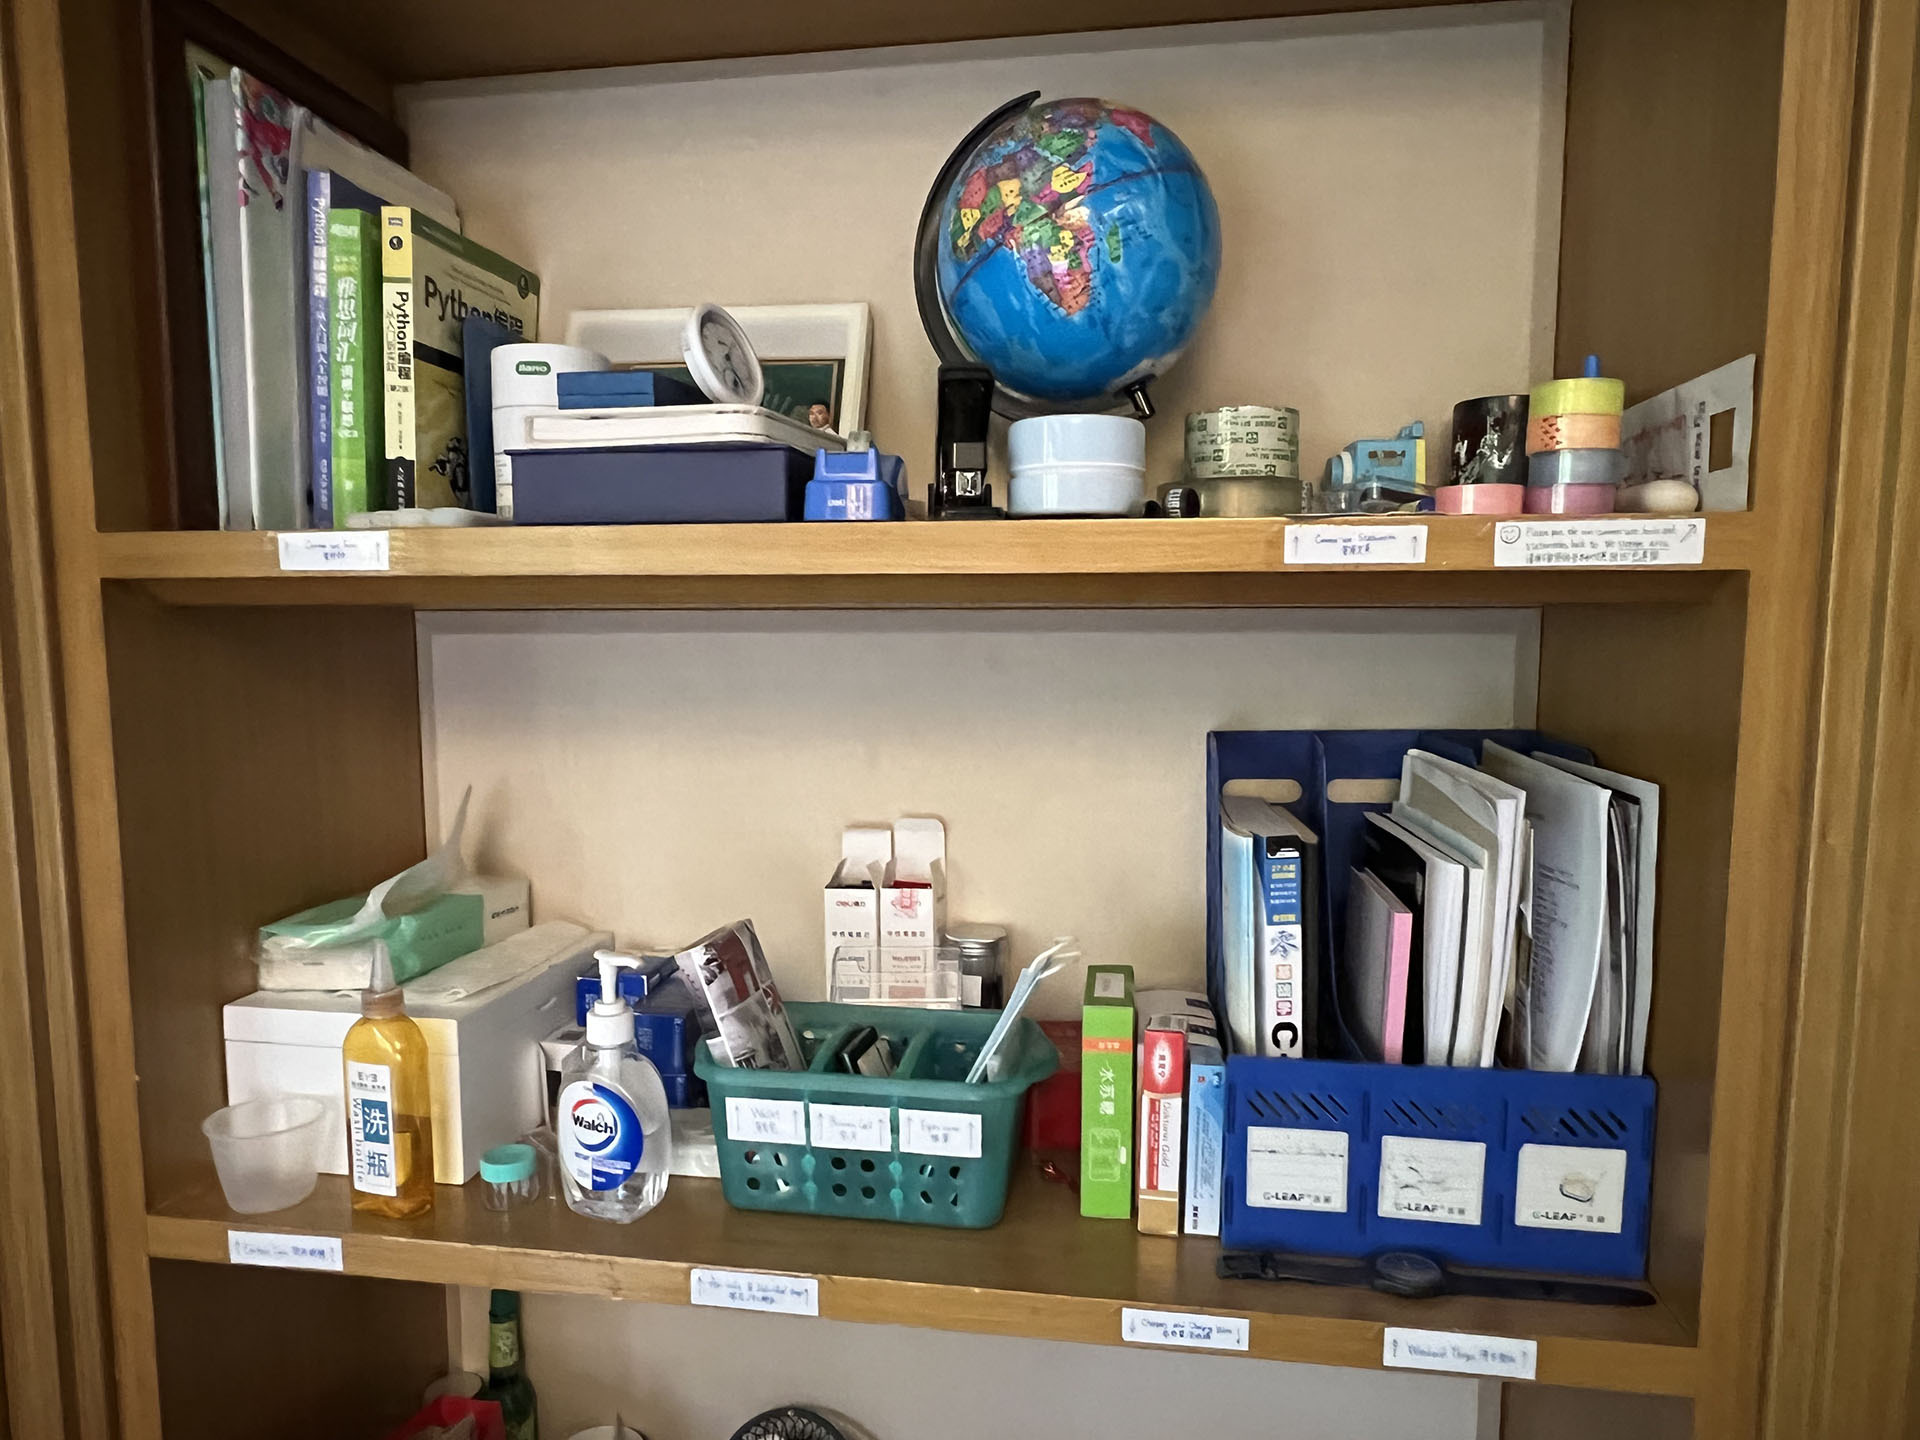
(526, 382)
(267, 1152)
(1077, 465)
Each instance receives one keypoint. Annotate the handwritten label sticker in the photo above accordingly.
(747, 1290)
(284, 1252)
(1356, 545)
(940, 1132)
(1526, 544)
(1440, 1181)
(1189, 1332)
(1296, 1169)
(1459, 1354)
(851, 1127)
(777, 1122)
(333, 550)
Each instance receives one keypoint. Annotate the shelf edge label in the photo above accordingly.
(333, 550)
(1356, 545)
(1625, 544)
(1459, 1354)
(284, 1252)
(1188, 1332)
(750, 1290)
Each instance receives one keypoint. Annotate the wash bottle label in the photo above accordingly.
(370, 1116)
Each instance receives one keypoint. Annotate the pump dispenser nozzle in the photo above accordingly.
(610, 1020)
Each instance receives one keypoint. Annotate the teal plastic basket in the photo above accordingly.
(915, 1165)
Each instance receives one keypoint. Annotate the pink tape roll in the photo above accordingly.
(1570, 499)
(1480, 499)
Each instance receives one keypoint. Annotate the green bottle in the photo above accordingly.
(506, 1371)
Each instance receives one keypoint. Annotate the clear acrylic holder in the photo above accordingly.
(925, 977)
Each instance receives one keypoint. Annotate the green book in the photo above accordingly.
(353, 299)
(432, 279)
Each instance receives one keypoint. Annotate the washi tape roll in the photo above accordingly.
(1572, 432)
(1243, 440)
(1569, 499)
(1480, 499)
(1588, 395)
(1576, 467)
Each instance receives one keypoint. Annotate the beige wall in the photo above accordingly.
(1388, 187)
(661, 775)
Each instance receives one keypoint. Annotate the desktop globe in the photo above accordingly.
(1072, 247)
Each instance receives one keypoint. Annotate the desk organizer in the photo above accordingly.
(1519, 1169)
(920, 1146)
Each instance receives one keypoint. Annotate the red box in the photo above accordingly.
(1163, 1082)
(447, 1410)
(1053, 1106)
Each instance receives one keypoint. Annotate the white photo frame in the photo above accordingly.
(793, 336)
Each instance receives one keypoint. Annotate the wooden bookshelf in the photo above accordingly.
(1062, 562)
(1043, 1272)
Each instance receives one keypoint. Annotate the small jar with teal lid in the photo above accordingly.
(509, 1176)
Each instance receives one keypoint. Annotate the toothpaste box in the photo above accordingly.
(1106, 1093)
(853, 894)
(1163, 1083)
(1205, 1111)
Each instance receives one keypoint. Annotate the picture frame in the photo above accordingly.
(812, 355)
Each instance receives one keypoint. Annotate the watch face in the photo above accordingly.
(1404, 1272)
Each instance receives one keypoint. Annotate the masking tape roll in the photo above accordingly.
(1572, 432)
(1576, 467)
(1587, 396)
(1570, 499)
(1243, 440)
(1480, 499)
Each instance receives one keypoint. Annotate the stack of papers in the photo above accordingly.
(1505, 913)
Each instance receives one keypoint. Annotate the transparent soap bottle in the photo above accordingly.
(389, 1103)
(612, 1120)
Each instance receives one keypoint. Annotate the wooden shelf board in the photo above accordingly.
(1042, 1272)
(1062, 562)
(450, 39)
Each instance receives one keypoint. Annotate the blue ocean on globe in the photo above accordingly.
(1080, 247)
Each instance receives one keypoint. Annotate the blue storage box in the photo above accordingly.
(635, 985)
(1564, 1167)
(612, 389)
(660, 485)
(1515, 1169)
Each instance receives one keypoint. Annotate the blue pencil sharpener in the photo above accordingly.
(855, 485)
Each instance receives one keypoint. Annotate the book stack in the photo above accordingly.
(340, 294)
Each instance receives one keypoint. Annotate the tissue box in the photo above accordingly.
(483, 1049)
(480, 910)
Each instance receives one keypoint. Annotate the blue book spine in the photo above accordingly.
(1206, 1138)
(319, 372)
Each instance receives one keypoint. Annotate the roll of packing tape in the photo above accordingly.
(1591, 395)
(1569, 499)
(1480, 499)
(1243, 441)
(1572, 432)
(1576, 467)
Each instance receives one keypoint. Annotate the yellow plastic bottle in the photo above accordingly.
(389, 1109)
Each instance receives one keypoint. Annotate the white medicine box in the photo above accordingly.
(483, 1049)
(853, 893)
(913, 904)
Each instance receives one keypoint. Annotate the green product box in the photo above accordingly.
(1106, 1093)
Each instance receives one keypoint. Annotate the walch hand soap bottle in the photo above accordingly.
(612, 1120)
(389, 1114)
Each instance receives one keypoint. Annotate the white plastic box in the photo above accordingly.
(853, 892)
(488, 1081)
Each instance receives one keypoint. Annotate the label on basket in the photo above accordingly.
(1356, 545)
(940, 1132)
(1190, 1332)
(284, 1252)
(776, 1122)
(1570, 1187)
(1459, 1354)
(1600, 542)
(1436, 1180)
(851, 1127)
(1289, 1169)
(745, 1290)
(333, 550)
